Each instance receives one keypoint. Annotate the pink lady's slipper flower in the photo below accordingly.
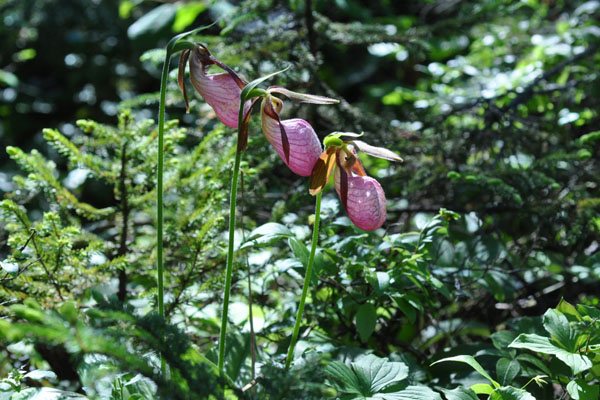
(362, 196)
(293, 139)
(221, 91)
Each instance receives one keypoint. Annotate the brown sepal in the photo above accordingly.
(242, 142)
(343, 184)
(322, 170)
(185, 55)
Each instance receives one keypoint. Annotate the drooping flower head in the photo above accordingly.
(294, 139)
(221, 91)
(362, 196)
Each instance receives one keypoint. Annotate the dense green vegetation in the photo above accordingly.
(482, 283)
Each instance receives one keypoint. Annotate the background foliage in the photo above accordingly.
(492, 218)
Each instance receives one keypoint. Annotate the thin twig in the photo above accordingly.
(50, 277)
(122, 293)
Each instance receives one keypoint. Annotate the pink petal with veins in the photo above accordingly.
(305, 147)
(366, 201)
(220, 91)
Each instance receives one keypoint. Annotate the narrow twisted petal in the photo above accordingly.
(365, 201)
(305, 147)
(220, 91)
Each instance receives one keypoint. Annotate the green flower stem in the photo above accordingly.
(229, 269)
(159, 193)
(307, 277)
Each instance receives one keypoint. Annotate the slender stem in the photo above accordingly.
(229, 269)
(159, 194)
(307, 277)
(250, 316)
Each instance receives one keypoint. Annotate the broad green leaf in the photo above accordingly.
(460, 393)
(568, 309)
(365, 321)
(589, 313)
(470, 360)
(406, 308)
(368, 375)
(511, 393)
(409, 393)
(581, 390)
(266, 234)
(299, 250)
(345, 375)
(558, 327)
(502, 339)
(507, 370)
(541, 344)
(39, 374)
(270, 229)
(379, 372)
(45, 393)
(152, 22)
(379, 280)
(482, 388)
(535, 362)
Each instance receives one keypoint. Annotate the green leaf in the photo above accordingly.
(558, 327)
(152, 22)
(507, 370)
(187, 14)
(45, 393)
(511, 393)
(581, 390)
(379, 372)
(470, 360)
(266, 234)
(568, 309)
(534, 361)
(39, 374)
(365, 321)
(299, 250)
(368, 375)
(502, 339)
(345, 375)
(460, 393)
(270, 229)
(482, 388)
(409, 393)
(541, 344)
